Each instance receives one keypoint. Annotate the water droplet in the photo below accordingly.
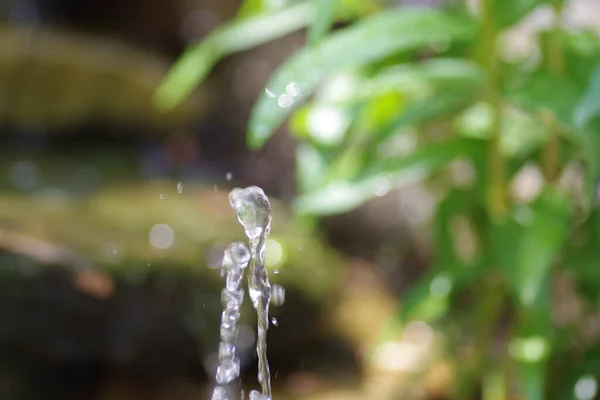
(115, 251)
(274, 321)
(292, 88)
(253, 209)
(256, 395)
(285, 100)
(161, 236)
(270, 93)
(236, 254)
(219, 393)
(276, 271)
(278, 294)
(161, 196)
(179, 187)
(228, 371)
(228, 176)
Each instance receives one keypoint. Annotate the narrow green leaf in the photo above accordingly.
(543, 91)
(540, 243)
(370, 40)
(421, 162)
(342, 196)
(322, 21)
(250, 8)
(237, 35)
(425, 111)
(509, 12)
(311, 168)
(588, 107)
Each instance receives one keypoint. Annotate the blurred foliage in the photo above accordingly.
(396, 96)
(91, 80)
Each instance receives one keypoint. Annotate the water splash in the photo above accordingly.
(235, 260)
(254, 213)
(256, 395)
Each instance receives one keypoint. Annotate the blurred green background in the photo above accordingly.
(433, 168)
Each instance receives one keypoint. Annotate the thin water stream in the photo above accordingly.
(254, 213)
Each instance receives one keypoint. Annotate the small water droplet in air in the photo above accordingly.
(292, 89)
(274, 321)
(270, 93)
(115, 252)
(228, 176)
(285, 100)
(161, 196)
(276, 271)
(278, 294)
(147, 265)
(179, 187)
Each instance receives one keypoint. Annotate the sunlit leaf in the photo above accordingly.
(342, 196)
(371, 39)
(311, 167)
(237, 35)
(424, 160)
(588, 107)
(508, 12)
(322, 21)
(558, 94)
(540, 244)
(416, 80)
(425, 111)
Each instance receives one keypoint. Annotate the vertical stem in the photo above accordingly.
(497, 192)
(556, 66)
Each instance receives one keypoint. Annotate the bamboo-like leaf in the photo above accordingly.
(370, 40)
(342, 196)
(323, 19)
(235, 36)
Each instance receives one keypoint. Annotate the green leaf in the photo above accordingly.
(425, 111)
(457, 202)
(509, 12)
(342, 196)
(423, 161)
(371, 40)
(544, 91)
(588, 107)
(539, 244)
(237, 35)
(416, 80)
(323, 20)
(311, 167)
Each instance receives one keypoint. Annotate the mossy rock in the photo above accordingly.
(110, 230)
(61, 79)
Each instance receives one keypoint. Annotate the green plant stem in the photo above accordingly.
(556, 66)
(497, 187)
(491, 295)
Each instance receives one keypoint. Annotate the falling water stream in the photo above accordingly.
(254, 213)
